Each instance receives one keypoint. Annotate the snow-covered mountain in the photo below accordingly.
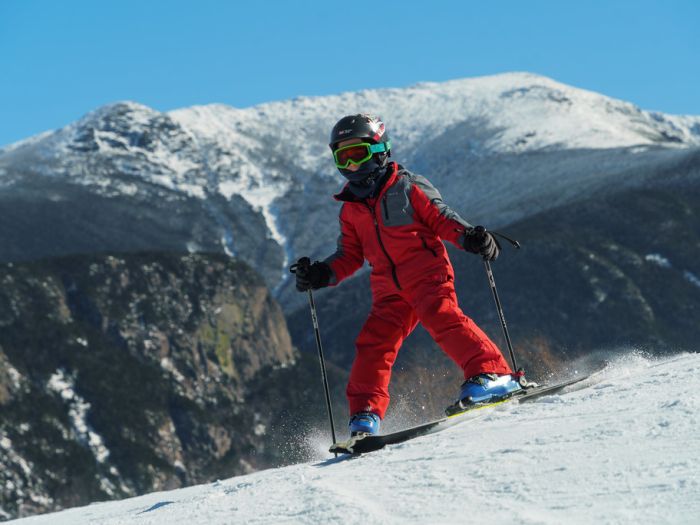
(625, 449)
(256, 182)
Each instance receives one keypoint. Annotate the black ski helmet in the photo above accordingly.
(370, 129)
(360, 126)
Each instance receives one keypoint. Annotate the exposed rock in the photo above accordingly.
(126, 374)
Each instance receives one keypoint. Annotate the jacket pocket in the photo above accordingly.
(385, 209)
(396, 208)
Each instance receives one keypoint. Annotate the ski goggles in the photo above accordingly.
(358, 153)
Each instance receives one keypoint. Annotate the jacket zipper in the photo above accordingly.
(386, 210)
(425, 245)
(381, 244)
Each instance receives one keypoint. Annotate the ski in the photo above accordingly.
(367, 443)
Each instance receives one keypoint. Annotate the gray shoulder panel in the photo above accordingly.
(436, 199)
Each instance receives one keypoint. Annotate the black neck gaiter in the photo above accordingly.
(371, 186)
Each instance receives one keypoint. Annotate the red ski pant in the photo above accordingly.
(393, 318)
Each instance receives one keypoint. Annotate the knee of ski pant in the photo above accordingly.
(436, 290)
(371, 371)
(442, 313)
(384, 331)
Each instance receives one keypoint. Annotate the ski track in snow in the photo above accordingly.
(625, 449)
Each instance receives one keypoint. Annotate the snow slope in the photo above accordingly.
(626, 449)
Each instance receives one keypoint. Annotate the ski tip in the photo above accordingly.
(345, 447)
(340, 448)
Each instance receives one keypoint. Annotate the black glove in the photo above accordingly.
(311, 276)
(478, 240)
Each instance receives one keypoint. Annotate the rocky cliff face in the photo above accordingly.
(120, 375)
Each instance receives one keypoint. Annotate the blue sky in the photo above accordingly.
(61, 59)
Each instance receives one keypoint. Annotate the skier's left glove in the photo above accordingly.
(312, 276)
(478, 240)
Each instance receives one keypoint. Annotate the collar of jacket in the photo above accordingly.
(346, 195)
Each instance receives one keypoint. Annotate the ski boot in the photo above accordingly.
(364, 423)
(485, 388)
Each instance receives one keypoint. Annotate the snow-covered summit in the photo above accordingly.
(529, 111)
(256, 152)
(623, 450)
(505, 113)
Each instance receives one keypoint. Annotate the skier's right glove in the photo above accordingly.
(311, 276)
(478, 240)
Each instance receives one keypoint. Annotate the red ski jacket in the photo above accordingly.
(399, 232)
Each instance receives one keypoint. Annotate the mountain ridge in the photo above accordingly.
(256, 182)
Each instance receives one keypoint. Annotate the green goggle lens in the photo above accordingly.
(358, 153)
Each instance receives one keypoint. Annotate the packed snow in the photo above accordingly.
(625, 448)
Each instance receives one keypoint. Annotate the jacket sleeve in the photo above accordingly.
(430, 209)
(348, 257)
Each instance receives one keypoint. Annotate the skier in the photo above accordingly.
(396, 220)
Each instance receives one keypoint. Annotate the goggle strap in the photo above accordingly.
(381, 147)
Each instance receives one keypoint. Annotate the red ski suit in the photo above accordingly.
(399, 233)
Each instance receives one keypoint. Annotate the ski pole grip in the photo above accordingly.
(301, 266)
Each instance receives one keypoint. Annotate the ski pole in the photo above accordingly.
(303, 266)
(492, 283)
